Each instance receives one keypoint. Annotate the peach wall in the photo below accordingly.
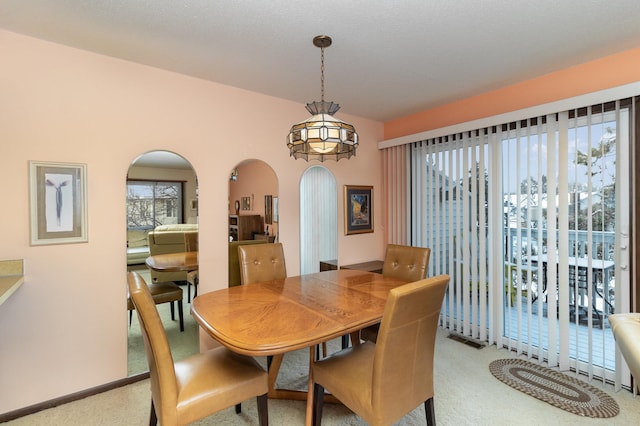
(65, 329)
(604, 73)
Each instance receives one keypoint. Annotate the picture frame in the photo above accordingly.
(246, 203)
(268, 209)
(58, 203)
(275, 209)
(358, 209)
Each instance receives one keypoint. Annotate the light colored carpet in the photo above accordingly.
(182, 344)
(466, 394)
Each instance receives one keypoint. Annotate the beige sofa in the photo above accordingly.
(626, 331)
(168, 239)
(137, 246)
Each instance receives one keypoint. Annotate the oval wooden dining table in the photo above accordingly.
(173, 262)
(280, 316)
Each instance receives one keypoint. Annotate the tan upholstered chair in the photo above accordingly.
(197, 386)
(405, 263)
(162, 293)
(261, 263)
(191, 244)
(382, 382)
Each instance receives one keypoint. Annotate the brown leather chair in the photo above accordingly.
(200, 385)
(382, 382)
(261, 263)
(403, 262)
(191, 244)
(162, 293)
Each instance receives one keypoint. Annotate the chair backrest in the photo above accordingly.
(190, 241)
(164, 387)
(406, 263)
(403, 364)
(262, 262)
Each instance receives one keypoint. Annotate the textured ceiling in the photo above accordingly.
(388, 58)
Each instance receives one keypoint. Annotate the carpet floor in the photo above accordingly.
(182, 344)
(466, 394)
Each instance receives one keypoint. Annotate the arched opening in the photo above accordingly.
(318, 218)
(162, 195)
(253, 208)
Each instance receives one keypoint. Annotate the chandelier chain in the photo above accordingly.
(322, 73)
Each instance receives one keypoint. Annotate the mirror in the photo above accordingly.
(161, 190)
(318, 211)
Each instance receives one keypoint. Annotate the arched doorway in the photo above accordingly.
(161, 190)
(318, 218)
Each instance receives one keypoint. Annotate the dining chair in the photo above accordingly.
(261, 263)
(405, 263)
(162, 293)
(384, 381)
(191, 244)
(200, 385)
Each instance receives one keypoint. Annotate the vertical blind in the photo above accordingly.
(318, 213)
(528, 218)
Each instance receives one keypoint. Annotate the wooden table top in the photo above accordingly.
(173, 262)
(298, 312)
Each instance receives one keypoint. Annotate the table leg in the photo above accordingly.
(274, 369)
(309, 413)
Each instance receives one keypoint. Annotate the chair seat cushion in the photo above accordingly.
(214, 380)
(161, 293)
(355, 369)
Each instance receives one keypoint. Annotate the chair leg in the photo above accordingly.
(153, 419)
(130, 317)
(173, 312)
(238, 408)
(263, 410)
(180, 315)
(318, 403)
(430, 412)
(188, 291)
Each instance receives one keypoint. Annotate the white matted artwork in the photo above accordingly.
(58, 202)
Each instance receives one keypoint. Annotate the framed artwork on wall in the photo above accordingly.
(268, 209)
(275, 209)
(358, 209)
(58, 203)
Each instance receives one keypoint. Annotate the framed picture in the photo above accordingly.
(268, 209)
(275, 209)
(246, 203)
(58, 203)
(358, 209)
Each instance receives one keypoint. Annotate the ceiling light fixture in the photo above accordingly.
(322, 136)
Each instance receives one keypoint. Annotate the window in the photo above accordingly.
(152, 203)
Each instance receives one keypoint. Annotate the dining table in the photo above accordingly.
(173, 262)
(275, 317)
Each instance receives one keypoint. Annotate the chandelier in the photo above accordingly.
(322, 136)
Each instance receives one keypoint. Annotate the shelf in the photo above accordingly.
(11, 278)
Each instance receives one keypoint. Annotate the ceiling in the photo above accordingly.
(388, 59)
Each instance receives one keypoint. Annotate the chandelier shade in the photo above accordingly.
(322, 136)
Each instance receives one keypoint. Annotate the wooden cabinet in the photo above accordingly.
(265, 237)
(243, 227)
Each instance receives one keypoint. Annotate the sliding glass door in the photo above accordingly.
(531, 221)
